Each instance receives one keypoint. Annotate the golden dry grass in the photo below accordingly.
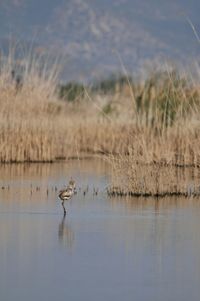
(132, 179)
(156, 121)
(36, 126)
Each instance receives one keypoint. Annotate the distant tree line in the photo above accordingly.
(72, 91)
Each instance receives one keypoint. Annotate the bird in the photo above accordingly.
(66, 194)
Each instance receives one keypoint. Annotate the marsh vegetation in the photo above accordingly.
(151, 122)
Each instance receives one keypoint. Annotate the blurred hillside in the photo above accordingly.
(92, 37)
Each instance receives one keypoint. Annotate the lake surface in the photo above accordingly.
(105, 249)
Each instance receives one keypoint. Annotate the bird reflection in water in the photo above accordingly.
(65, 233)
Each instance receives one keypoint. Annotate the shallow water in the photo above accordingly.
(105, 249)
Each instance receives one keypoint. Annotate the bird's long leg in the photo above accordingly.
(64, 208)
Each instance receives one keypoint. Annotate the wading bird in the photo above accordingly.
(67, 193)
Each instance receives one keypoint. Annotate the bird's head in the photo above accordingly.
(72, 185)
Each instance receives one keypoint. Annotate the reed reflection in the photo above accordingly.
(65, 233)
(156, 205)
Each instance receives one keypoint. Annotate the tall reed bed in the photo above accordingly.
(27, 105)
(37, 126)
(130, 178)
(167, 110)
(154, 121)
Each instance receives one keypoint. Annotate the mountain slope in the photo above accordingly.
(93, 36)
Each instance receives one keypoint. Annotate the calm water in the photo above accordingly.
(103, 250)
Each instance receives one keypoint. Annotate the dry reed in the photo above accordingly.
(133, 179)
(156, 122)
